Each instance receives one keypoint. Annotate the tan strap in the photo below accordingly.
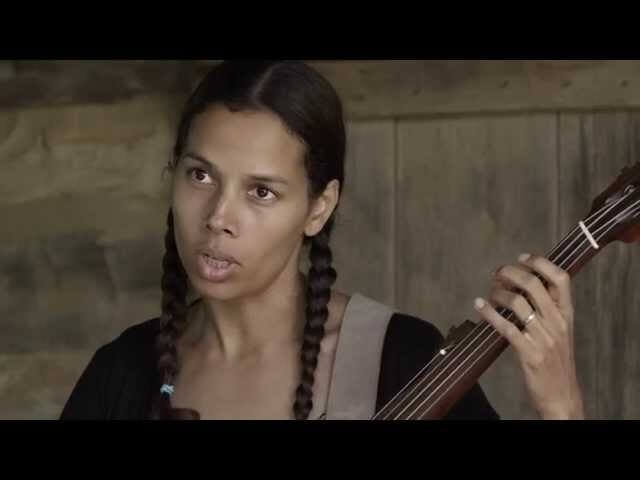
(354, 386)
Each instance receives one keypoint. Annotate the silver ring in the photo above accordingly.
(531, 316)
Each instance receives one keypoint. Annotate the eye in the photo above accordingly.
(262, 193)
(199, 174)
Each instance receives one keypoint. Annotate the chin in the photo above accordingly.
(218, 291)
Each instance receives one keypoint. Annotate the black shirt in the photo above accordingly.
(120, 379)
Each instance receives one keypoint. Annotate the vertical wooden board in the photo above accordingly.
(363, 234)
(575, 192)
(607, 148)
(630, 306)
(473, 193)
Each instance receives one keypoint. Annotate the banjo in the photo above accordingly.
(470, 348)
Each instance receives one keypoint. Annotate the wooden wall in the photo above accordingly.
(454, 168)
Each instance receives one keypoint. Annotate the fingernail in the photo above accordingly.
(524, 257)
(479, 303)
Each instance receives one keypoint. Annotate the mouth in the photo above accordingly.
(216, 268)
(218, 258)
(218, 262)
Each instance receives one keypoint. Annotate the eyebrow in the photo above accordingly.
(255, 178)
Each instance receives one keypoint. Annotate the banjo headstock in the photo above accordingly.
(615, 213)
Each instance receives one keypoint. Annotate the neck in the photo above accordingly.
(255, 323)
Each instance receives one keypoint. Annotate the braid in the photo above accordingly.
(173, 321)
(321, 277)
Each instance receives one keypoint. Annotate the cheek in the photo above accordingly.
(186, 222)
(183, 238)
(277, 235)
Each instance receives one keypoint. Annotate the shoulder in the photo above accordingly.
(130, 353)
(132, 348)
(132, 343)
(410, 343)
(408, 331)
(407, 340)
(403, 332)
(110, 384)
(138, 336)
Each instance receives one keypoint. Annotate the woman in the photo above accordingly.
(257, 172)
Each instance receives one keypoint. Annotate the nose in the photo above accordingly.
(222, 219)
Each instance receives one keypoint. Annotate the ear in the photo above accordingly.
(322, 207)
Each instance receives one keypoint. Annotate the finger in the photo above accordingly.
(506, 329)
(495, 284)
(500, 283)
(558, 279)
(532, 287)
(522, 310)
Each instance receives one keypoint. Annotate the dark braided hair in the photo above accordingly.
(320, 278)
(173, 322)
(311, 110)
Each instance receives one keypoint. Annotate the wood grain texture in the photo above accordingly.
(364, 234)
(473, 193)
(594, 149)
(370, 89)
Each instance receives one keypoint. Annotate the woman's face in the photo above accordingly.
(240, 203)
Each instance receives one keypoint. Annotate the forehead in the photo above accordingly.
(246, 139)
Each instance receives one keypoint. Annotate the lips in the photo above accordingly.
(216, 263)
(219, 257)
(218, 269)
